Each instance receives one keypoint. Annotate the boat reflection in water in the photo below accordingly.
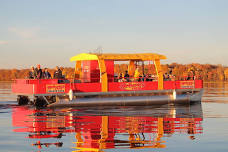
(99, 129)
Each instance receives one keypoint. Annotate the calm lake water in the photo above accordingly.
(199, 127)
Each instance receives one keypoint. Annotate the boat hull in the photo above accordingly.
(135, 99)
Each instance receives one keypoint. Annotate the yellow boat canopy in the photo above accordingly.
(118, 57)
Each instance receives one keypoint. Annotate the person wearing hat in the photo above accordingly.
(38, 72)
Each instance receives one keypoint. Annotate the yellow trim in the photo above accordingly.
(159, 74)
(160, 127)
(84, 57)
(121, 57)
(79, 139)
(139, 56)
(104, 127)
(160, 133)
(131, 68)
(103, 75)
(104, 132)
(78, 69)
(118, 57)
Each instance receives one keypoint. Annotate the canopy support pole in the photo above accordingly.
(159, 74)
(77, 71)
(103, 75)
(131, 68)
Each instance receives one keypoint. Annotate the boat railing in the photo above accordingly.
(195, 77)
(36, 81)
(110, 79)
(58, 86)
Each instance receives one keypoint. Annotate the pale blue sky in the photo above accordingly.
(49, 32)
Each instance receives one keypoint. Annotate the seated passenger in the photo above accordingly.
(144, 77)
(140, 78)
(166, 77)
(126, 76)
(136, 75)
(57, 73)
(46, 74)
(149, 77)
(120, 78)
(172, 77)
(31, 74)
(191, 76)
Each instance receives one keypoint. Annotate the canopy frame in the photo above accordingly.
(119, 57)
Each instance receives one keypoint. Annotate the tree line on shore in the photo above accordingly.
(207, 72)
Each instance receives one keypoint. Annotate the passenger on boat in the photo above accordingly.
(144, 77)
(38, 72)
(172, 77)
(57, 73)
(120, 78)
(141, 78)
(31, 74)
(136, 75)
(46, 74)
(166, 77)
(170, 70)
(126, 76)
(147, 77)
(191, 75)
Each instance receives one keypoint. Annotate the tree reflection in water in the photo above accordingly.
(106, 128)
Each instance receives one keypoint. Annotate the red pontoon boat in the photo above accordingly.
(95, 84)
